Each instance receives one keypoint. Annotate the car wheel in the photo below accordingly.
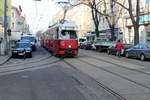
(108, 52)
(127, 55)
(12, 55)
(30, 55)
(142, 57)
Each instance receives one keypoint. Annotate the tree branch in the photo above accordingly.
(121, 5)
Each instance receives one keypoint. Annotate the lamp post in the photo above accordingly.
(5, 28)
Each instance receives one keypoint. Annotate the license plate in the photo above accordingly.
(20, 54)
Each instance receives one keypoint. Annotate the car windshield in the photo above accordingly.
(68, 35)
(23, 45)
(28, 38)
(82, 40)
(101, 40)
(145, 46)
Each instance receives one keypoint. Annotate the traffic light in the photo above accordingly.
(9, 32)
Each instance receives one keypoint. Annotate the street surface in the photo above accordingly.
(89, 76)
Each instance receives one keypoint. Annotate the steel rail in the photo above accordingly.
(99, 83)
(31, 62)
(25, 68)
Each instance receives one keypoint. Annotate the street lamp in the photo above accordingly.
(5, 27)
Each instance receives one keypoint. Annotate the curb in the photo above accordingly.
(3, 62)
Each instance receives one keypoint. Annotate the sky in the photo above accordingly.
(39, 14)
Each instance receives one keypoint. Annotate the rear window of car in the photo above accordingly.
(23, 45)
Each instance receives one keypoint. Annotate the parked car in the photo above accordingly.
(21, 49)
(32, 40)
(86, 45)
(112, 49)
(28, 42)
(138, 51)
(80, 41)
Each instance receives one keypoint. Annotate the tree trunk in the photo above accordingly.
(97, 30)
(113, 38)
(136, 35)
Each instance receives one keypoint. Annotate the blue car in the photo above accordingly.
(138, 51)
(32, 40)
(86, 45)
(21, 49)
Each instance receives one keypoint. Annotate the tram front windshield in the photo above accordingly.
(69, 35)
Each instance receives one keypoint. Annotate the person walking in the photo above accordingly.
(119, 48)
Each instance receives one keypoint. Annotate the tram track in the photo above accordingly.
(23, 63)
(113, 73)
(118, 65)
(31, 67)
(120, 97)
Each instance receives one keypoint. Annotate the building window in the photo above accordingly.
(147, 1)
(13, 14)
(13, 25)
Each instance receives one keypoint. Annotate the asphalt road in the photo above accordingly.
(45, 77)
(89, 76)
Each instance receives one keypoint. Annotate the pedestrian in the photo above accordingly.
(24, 54)
(119, 48)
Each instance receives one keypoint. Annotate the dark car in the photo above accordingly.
(28, 42)
(141, 51)
(86, 45)
(112, 49)
(32, 40)
(21, 49)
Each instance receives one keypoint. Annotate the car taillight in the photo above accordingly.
(147, 51)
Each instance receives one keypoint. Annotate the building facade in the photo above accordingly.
(19, 25)
(144, 21)
(2, 39)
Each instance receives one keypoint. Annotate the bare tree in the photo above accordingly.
(113, 17)
(96, 14)
(134, 17)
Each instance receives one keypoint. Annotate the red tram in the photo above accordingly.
(61, 39)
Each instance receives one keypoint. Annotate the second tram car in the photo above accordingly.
(61, 39)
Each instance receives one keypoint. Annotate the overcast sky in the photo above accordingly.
(38, 14)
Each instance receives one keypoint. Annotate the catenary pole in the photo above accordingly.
(5, 27)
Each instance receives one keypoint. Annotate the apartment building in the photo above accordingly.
(18, 23)
(2, 41)
(144, 21)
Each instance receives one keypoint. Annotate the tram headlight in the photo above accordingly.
(69, 46)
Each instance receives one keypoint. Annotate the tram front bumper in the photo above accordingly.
(71, 51)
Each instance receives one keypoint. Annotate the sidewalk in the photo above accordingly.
(4, 59)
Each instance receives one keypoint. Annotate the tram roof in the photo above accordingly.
(65, 24)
